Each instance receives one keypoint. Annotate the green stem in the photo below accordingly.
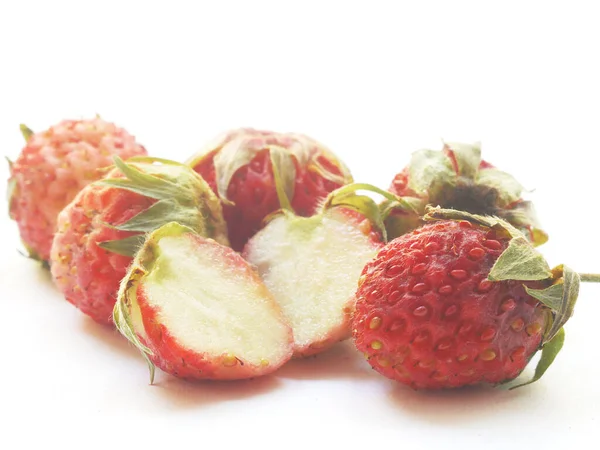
(350, 188)
(590, 277)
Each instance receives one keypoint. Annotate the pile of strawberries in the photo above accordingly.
(261, 248)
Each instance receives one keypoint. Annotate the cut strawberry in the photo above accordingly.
(197, 310)
(312, 265)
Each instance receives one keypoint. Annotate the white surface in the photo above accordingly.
(372, 82)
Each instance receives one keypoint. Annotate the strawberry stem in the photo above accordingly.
(590, 277)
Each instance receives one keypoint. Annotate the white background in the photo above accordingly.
(372, 80)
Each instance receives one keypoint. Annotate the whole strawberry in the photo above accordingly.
(462, 300)
(53, 167)
(458, 178)
(239, 168)
(100, 231)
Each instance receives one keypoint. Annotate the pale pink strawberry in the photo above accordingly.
(53, 167)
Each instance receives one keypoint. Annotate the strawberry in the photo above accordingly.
(458, 178)
(238, 167)
(53, 167)
(197, 310)
(100, 231)
(463, 300)
(312, 264)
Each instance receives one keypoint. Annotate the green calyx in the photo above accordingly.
(181, 196)
(347, 197)
(126, 313)
(11, 189)
(455, 178)
(240, 148)
(520, 261)
(26, 132)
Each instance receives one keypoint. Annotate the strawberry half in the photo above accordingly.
(312, 264)
(463, 300)
(197, 310)
(100, 231)
(457, 178)
(238, 167)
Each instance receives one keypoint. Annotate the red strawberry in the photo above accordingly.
(101, 229)
(53, 167)
(312, 264)
(463, 300)
(238, 167)
(197, 310)
(458, 178)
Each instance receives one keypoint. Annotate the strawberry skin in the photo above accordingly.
(87, 271)
(87, 274)
(427, 315)
(250, 193)
(53, 167)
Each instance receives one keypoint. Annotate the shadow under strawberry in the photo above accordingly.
(457, 406)
(194, 395)
(342, 361)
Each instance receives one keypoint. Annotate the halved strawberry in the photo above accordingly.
(197, 310)
(312, 264)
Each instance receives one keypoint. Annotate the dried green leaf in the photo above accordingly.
(408, 205)
(520, 261)
(284, 175)
(552, 296)
(317, 166)
(500, 226)
(26, 132)
(122, 317)
(468, 158)
(364, 205)
(523, 216)
(430, 171)
(146, 184)
(11, 191)
(235, 154)
(508, 188)
(128, 246)
(549, 352)
(570, 283)
(160, 213)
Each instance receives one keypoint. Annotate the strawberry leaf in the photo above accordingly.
(468, 158)
(11, 189)
(430, 171)
(316, 166)
(508, 188)
(552, 297)
(128, 246)
(365, 206)
(26, 132)
(523, 216)
(141, 183)
(160, 213)
(562, 301)
(284, 174)
(549, 352)
(122, 317)
(231, 157)
(520, 261)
